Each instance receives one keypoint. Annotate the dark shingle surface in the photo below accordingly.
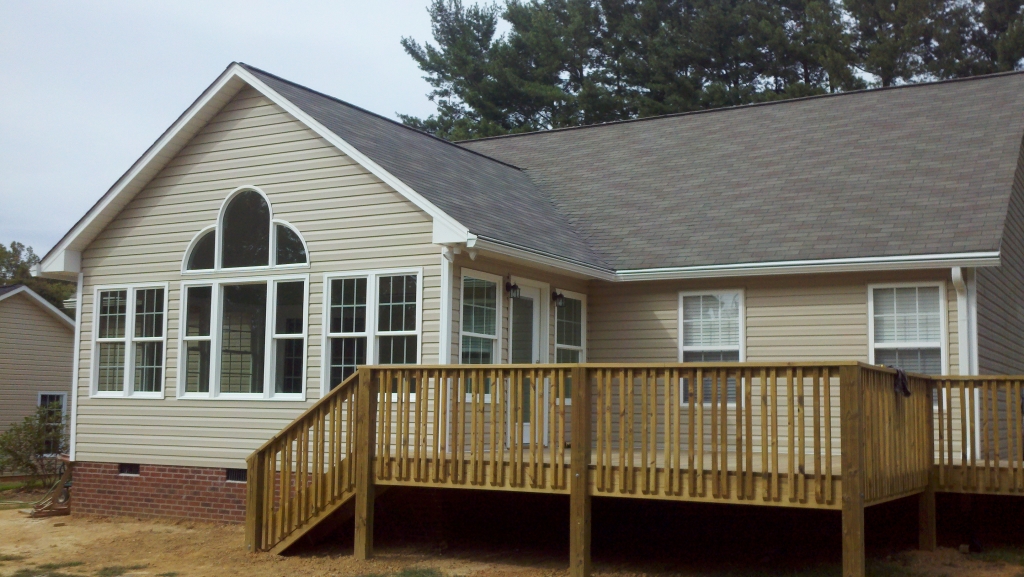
(924, 169)
(490, 198)
(8, 288)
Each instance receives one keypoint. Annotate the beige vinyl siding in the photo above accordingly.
(504, 270)
(788, 318)
(1000, 297)
(350, 220)
(36, 355)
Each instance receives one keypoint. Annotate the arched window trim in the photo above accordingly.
(218, 240)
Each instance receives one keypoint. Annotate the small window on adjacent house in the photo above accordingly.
(479, 321)
(201, 257)
(711, 331)
(245, 239)
(396, 320)
(54, 406)
(908, 328)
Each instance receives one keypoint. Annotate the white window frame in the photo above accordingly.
(63, 407)
(269, 358)
(583, 317)
(742, 339)
(218, 227)
(943, 319)
(371, 334)
(129, 341)
(499, 303)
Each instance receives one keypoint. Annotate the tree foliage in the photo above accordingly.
(575, 62)
(16, 264)
(32, 446)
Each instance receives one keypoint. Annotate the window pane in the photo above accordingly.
(925, 361)
(289, 308)
(198, 320)
(113, 309)
(149, 313)
(397, 350)
(348, 305)
(569, 323)
(54, 435)
(246, 234)
(110, 365)
(288, 365)
(567, 356)
(289, 246)
(149, 367)
(711, 320)
(243, 334)
(907, 314)
(397, 306)
(202, 253)
(197, 367)
(477, 351)
(347, 355)
(479, 306)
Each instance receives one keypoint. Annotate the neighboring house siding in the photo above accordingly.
(788, 318)
(36, 355)
(1001, 297)
(349, 219)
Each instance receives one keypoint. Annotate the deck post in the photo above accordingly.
(927, 536)
(850, 395)
(255, 494)
(579, 485)
(366, 424)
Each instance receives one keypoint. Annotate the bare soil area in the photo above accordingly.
(77, 546)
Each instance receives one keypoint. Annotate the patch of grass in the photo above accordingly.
(5, 557)
(48, 570)
(117, 570)
(55, 566)
(1008, 555)
(168, 574)
(419, 572)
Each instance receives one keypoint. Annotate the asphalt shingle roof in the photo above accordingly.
(916, 170)
(923, 169)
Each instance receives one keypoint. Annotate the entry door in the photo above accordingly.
(524, 347)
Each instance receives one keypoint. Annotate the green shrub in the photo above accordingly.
(31, 447)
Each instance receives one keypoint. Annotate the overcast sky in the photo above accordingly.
(86, 87)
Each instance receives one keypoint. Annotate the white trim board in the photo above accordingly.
(43, 303)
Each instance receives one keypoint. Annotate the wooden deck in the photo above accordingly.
(826, 436)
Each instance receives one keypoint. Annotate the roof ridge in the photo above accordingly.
(746, 106)
(371, 113)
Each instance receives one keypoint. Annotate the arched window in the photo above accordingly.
(201, 257)
(245, 238)
(249, 236)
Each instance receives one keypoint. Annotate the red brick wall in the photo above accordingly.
(196, 493)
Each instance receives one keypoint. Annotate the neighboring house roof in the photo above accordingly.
(915, 170)
(921, 174)
(9, 291)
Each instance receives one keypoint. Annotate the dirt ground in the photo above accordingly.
(101, 547)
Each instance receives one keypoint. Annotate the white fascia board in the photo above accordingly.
(446, 228)
(859, 264)
(537, 257)
(43, 303)
(59, 259)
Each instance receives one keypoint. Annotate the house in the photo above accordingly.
(37, 344)
(274, 240)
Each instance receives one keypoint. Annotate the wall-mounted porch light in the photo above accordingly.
(512, 289)
(559, 299)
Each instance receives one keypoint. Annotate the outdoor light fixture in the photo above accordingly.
(559, 299)
(513, 289)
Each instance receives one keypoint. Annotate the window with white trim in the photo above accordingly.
(55, 408)
(479, 321)
(711, 331)
(130, 341)
(907, 328)
(570, 330)
(369, 315)
(245, 338)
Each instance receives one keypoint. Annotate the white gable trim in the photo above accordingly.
(43, 303)
(64, 259)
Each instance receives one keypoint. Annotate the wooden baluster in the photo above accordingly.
(801, 438)
(723, 437)
(748, 404)
(537, 413)
(437, 442)
(994, 482)
(776, 489)
(765, 436)
(830, 488)
(948, 399)
(608, 429)
(644, 429)
(691, 402)
(318, 460)
(630, 480)
(497, 461)
(599, 480)
(670, 438)
(791, 426)
(559, 478)
(715, 491)
(1018, 466)
(699, 388)
(940, 416)
(672, 383)
(818, 431)
(962, 482)
(516, 427)
(986, 446)
(738, 407)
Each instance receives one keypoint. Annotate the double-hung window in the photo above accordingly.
(55, 407)
(244, 339)
(480, 319)
(907, 327)
(570, 328)
(711, 330)
(373, 315)
(129, 342)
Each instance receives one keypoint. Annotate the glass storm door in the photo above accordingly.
(524, 341)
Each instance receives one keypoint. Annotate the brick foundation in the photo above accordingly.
(197, 493)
